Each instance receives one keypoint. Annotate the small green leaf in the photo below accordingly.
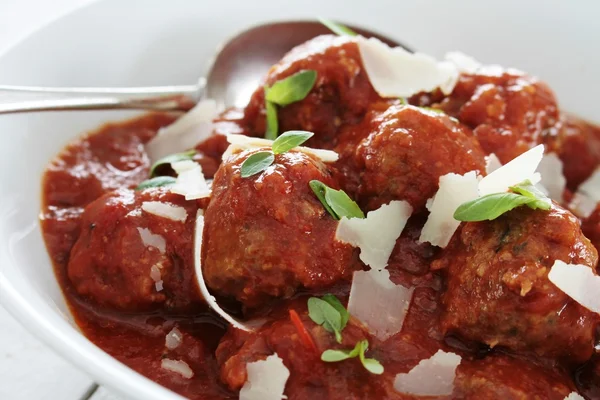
(324, 314)
(492, 206)
(319, 188)
(289, 140)
(171, 158)
(336, 355)
(370, 364)
(291, 89)
(403, 101)
(272, 123)
(157, 181)
(336, 202)
(336, 28)
(335, 303)
(257, 163)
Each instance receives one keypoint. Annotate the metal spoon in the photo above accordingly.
(233, 75)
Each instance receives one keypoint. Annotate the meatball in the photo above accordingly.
(509, 111)
(407, 150)
(128, 259)
(507, 378)
(310, 378)
(591, 227)
(498, 290)
(268, 235)
(588, 378)
(579, 149)
(341, 94)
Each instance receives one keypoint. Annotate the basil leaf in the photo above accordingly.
(324, 314)
(289, 140)
(157, 181)
(336, 202)
(319, 188)
(336, 28)
(272, 123)
(492, 206)
(171, 158)
(527, 189)
(257, 163)
(335, 303)
(292, 89)
(403, 101)
(336, 355)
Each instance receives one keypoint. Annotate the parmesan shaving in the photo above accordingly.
(376, 234)
(395, 72)
(431, 377)
(578, 282)
(463, 62)
(190, 180)
(454, 190)
(492, 163)
(149, 239)
(574, 396)
(587, 196)
(185, 133)
(177, 366)
(266, 379)
(242, 142)
(514, 172)
(379, 303)
(173, 339)
(553, 181)
(165, 210)
(212, 302)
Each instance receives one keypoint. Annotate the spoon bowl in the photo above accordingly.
(233, 74)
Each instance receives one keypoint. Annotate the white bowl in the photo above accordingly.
(153, 42)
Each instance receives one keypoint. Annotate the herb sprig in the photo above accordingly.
(370, 364)
(157, 181)
(171, 158)
(284, 92)
(258, 162)
(337, 28)
(329, 313)
(336, 202)
(493, 205)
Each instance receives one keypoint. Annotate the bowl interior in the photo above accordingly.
(117, 42)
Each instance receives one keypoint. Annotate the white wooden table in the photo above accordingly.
(28, 369)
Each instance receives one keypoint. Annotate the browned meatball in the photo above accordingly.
(579, 149)
(587, 378)
(407, 150)
(591, 227)
(509, 111)
(498, 290)
(268, 235)
(113, 266)
(340, 95)
(502, 377)
(310, 378)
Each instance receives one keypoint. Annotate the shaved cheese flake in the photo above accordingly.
(379, 303)
(431, 377)
(165, 210)
(395, 72)
(454, 190)
(242, 142)
(553, 181)
(149, 239)
(574, 396)
(582, 205)
(591, 186)
(266, 379)
(376, 234)
(577, 281)
(210, 299)
(185, 133)
(173, 339)
(190, 180)
(177, 366)
(463, 62)
(492, 163)
(514, 172)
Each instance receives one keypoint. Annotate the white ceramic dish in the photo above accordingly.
(153, 42)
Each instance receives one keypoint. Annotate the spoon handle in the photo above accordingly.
(21, 99)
